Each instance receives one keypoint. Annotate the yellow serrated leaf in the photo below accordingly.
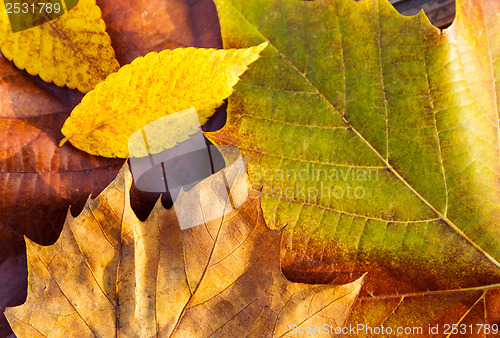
(151, 87)
(72, 50)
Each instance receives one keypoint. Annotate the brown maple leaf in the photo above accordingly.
(110, 274)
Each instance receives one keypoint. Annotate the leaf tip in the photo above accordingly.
(262, 46)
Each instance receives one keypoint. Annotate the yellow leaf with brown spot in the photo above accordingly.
(111, 275)
(152, 87)
(72, 49)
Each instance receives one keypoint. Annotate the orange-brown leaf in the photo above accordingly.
(110, 274)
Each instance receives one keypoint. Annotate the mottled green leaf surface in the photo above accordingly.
(373, 136)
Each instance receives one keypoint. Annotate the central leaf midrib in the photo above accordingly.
(398, 176)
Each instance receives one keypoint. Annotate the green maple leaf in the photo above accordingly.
(373, 136)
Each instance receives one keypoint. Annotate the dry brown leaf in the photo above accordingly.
(470, 312)
(139, 27)
(110, 274)
(39, 180)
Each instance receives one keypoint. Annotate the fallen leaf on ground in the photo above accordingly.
(158, 25)
(468, 312)
(72, 50)
(474, 311)
(374, 138)
(110, 274)
(152, 87)
(353, 95)
(39, 180)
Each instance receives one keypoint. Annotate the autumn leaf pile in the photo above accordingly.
(372, 144)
